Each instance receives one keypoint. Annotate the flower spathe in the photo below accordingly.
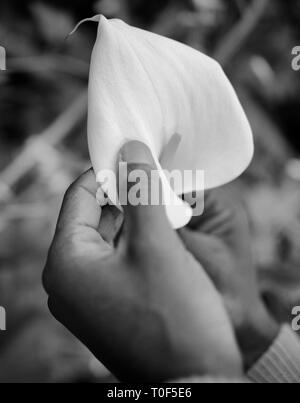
(146, 87)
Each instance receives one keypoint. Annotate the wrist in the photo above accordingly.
(257, 335)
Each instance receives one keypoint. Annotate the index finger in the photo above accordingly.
(80, 207)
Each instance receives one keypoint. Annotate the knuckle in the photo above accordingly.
(47, 280)
(71, 192)
(53, 308)
(56, 268)
(48, 276)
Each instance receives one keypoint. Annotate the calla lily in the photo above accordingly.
(150, 88)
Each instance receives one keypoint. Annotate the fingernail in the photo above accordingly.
(136, 152)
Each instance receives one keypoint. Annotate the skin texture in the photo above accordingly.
(139, 301)
(220, 241)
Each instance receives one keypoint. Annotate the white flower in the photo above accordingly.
(149, 88)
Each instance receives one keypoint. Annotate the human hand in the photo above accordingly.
(143, 305)
(220, 241)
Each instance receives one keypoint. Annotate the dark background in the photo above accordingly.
(43, 148)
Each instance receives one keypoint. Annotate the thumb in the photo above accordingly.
(140, 193)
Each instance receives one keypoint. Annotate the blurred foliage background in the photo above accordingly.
(43, 148)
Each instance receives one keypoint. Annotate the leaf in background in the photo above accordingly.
(111, 8)
(210, 12)
(53, 24)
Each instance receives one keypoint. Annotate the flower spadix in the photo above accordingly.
(150, 88)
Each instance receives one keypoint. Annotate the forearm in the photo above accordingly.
(257, 335)
(281, 362)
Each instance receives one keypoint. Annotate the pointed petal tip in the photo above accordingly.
(96, 18)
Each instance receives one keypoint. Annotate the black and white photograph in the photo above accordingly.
(149, 194)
